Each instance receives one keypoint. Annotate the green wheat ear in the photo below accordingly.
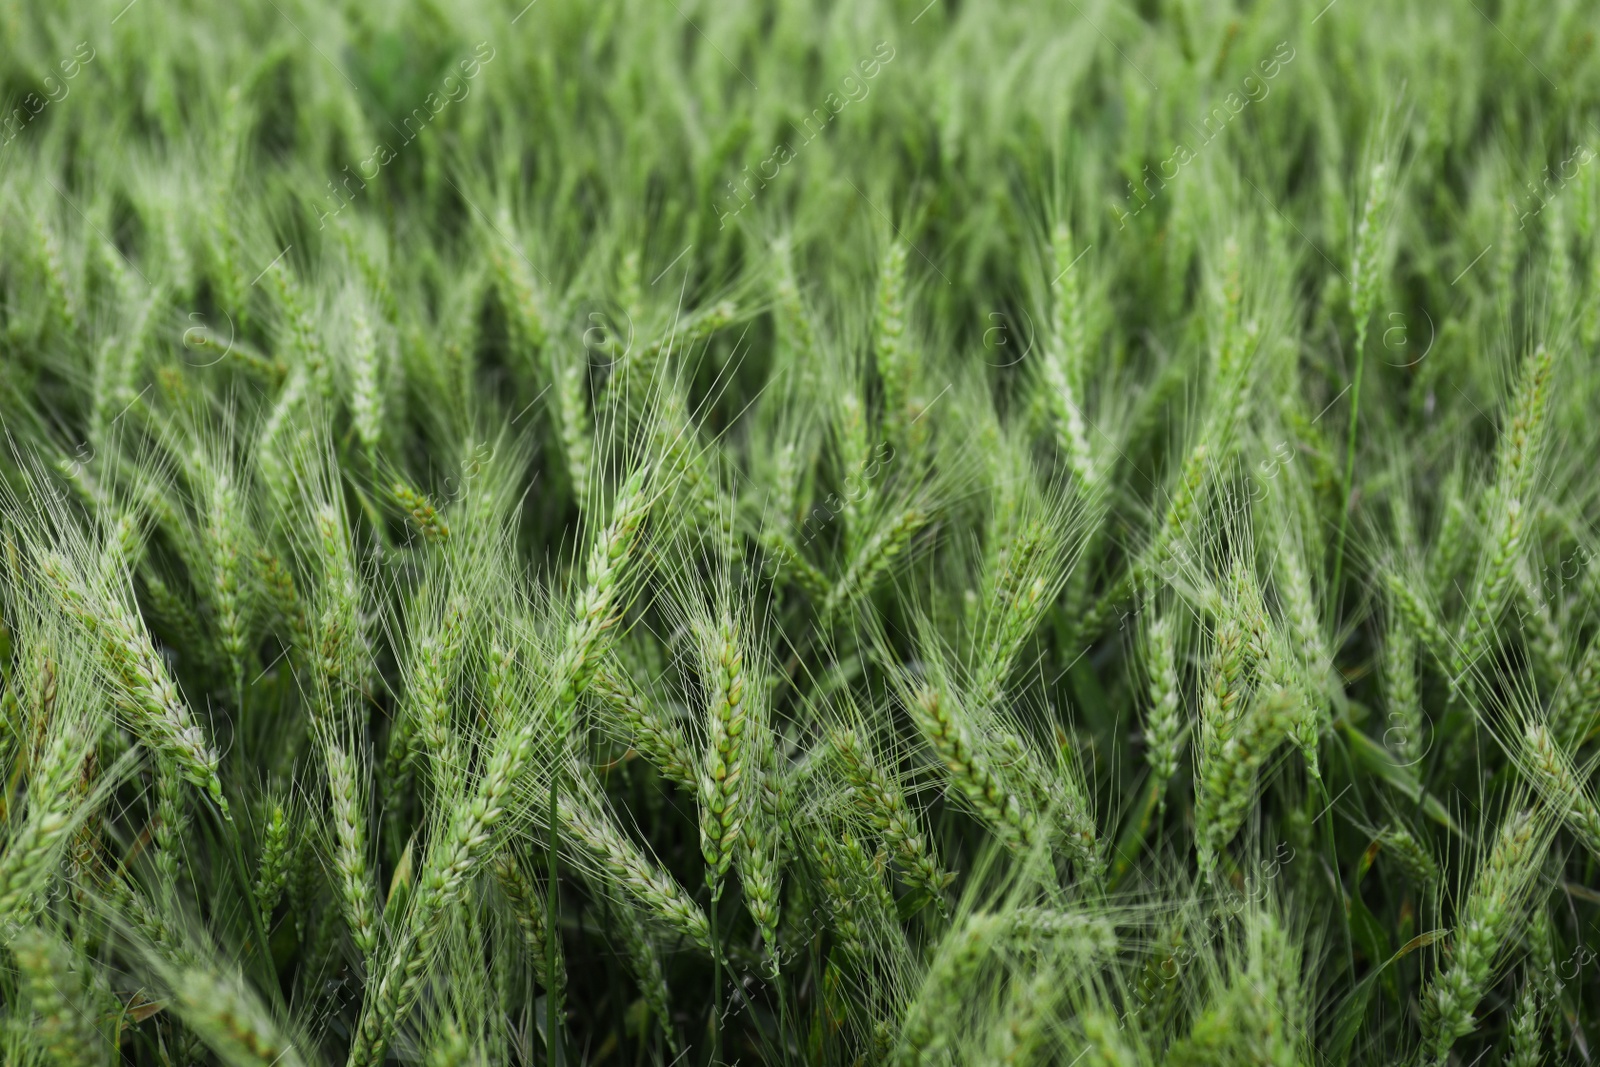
(728, 760)
(1493, 907)
(1164, 722)
(63, 1009)
(883, 802)
(1062, 368)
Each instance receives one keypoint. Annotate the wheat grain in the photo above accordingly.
(1412, 856)
(1232, 752)
(285, 596)
(572, 407)
(168, 825)
(1075, 935)
(842, 905)
(897, 365)
(1526, 1028)
(430, 524)
(1065, 355)
(596, 610)
(645, 962)
(1019, 598)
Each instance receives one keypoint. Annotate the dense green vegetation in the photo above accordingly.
(617, 533)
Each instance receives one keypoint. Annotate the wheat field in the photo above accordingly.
(1057, 532)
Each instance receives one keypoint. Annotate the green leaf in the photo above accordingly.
(1134, 828)
(1380, 761)
(1354, 1009)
